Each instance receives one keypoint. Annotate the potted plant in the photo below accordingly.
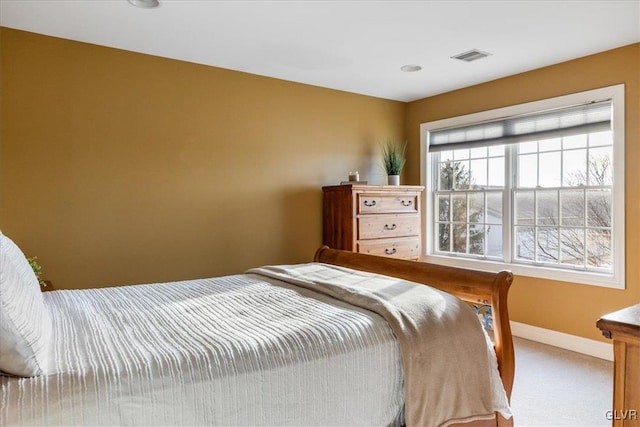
(393, 160)
(37, 270)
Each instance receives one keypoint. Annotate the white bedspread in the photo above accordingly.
(252, 350)
(238, 350)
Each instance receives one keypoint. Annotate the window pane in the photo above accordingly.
(599, 208)
(547, 250)
(494, 241)
(550, 169)
(528, 170)
(599, 248)
(496, 172)
(572, 246)
(478, 172)
(459, 207)
(601, 166)
(524, 207)
(476, 239)
(572, 208)
(459, 238)
(476, 207)
(553, 144)
(446, 176)
(528, 147)
(547, 204)
(461, 154)
(494, 208)
(524, 243)
(478, 152)
(444, 210)
(444, 237)
(446, 155)
(600, 138)
(496, 150)
(574, 141)
(574, 164)
(461, 178)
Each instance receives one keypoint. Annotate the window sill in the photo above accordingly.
(549, 273)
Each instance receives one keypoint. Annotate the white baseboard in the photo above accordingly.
(575, 343)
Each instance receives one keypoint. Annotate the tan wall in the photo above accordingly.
(565, 307)
(119, 168)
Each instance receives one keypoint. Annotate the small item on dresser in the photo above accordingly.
(393, 160)
(354, 178)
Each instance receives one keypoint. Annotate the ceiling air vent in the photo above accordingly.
(471, 55)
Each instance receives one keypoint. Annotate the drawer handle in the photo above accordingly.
(392, 227)
(390, 251)
(406, 202)
(369, 204)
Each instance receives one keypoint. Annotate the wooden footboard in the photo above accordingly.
(477, 287)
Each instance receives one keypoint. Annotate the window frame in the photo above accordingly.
(616, 279)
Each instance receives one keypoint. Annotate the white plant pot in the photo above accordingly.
(393, 179)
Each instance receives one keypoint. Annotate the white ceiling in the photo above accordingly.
(355, 46)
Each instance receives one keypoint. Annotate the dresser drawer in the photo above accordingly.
(383, 226)
(396, 248)
(372, 203)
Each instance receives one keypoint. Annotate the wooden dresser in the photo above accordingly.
(374, 219)
(623, 327)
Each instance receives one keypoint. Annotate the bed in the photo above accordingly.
(348, 339)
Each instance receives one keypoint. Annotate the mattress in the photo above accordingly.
(239, 350)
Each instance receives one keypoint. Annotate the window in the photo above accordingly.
(537, 188)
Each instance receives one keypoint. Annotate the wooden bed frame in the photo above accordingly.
(477, 287)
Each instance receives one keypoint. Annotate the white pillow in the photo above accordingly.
(25, 324)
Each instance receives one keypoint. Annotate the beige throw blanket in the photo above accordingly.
(450, 369)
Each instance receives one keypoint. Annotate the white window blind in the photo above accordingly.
(575, 120)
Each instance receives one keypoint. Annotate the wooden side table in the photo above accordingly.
(623, 327)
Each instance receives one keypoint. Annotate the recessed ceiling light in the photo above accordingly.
(145, 4)
(410, 68)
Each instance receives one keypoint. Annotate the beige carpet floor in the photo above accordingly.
(557, 387)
